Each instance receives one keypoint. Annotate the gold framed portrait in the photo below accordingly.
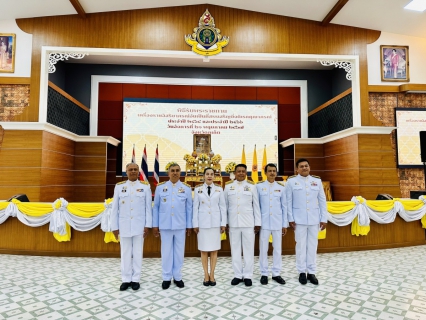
(394, 63)
(7, 52)
(202, 143)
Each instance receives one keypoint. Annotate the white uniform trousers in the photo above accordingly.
(172, 253)
(263, 254)
(131, 258)
(306, 248)
(242, 237)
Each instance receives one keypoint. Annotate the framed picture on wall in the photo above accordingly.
(394, 63)
(202, 143)
(7, 52)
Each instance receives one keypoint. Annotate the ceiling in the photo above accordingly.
(382, 15)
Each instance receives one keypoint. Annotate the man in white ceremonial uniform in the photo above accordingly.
(307, 214)
(172, 217)
(131, 217)
(273, 208)
(242, 203)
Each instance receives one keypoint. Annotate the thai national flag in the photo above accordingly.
(143, 173)
(156, 168)
(133, 155)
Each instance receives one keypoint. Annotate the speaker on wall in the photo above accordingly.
(21, 197)
(384, 196)
(423, 145)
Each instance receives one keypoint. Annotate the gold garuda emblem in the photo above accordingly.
(206, 39)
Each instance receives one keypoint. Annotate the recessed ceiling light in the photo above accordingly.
(416, 5)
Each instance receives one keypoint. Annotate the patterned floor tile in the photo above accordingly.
(353, 285)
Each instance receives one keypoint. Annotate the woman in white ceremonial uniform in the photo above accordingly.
(209, 222)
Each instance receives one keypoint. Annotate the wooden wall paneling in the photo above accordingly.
(109, 110)
(343, 192)
(376, 159)
(375, 142)
(341, 161)
(90, 177)
(180, 92)
(267, 93)
(113, 128)
(289, 113)
(111, 170)
(308, 151)
(345, 145)
(51, 177)
(90, 163)
(202, 93)
(157, 91)
(370, 192)
(110, 92)
(289, 95)
(13, 176)
(378, 176)
(288, 130)
(50, 193)
(91, 149)
(54, 159)
(134, 90)
(22, 139)
(224, 93)
(245, 93)
(90, 193)
(343, 177)
(32, 192)
(56, 143)
(20, 158)
(140, 29)
(332, 239)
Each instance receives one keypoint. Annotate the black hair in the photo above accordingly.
(301, 160)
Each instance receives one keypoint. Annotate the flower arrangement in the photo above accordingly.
(230, 167)
(203, 157)
(189, 159)
(171, 163)
(216, 159)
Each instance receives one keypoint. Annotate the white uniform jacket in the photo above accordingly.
(172, 206)
(273, 205)
(306, 202)
(242, 203)
(209, 211)
(131, 208)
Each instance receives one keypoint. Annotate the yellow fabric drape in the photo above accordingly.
(358, 230)
(3, 205)
(322, 234)
(65, 237)
(340, 207)
(85, 210)
(381, 205)
(411, 205)
(223, 236)
(33, 209)
(110, 237)
(424, 221)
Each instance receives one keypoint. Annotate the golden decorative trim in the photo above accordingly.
(325, 105)
(15, 80)
(66, 95)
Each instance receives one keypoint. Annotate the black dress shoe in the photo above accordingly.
(212, 283)
(166, 284)
(264, 280)
(206, 283)
(179, 283)
(312, 279)
(124, 286)
(236, 281)
(279, 279)
(302, 278)
(247, 282)
(135, 285)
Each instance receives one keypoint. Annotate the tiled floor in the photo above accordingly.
(384, 284)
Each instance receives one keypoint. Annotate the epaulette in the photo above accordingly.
(185, 184)
(218, 185)
(318, 177)
(143, 182)
(199, 185)
(161, 183)
(291, 177)
(249, 181)
(281, 183)
(121, 182)
(230, 181)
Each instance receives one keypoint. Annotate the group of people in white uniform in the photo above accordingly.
(243, 209)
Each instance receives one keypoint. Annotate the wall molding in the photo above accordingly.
(325, 105)
(15, 80)
(69, 97)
